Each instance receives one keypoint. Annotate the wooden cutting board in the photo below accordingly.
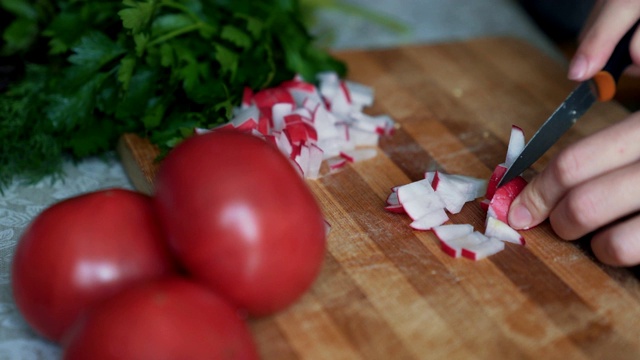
(388, 292)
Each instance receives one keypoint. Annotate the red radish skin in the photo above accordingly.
(398, 209)
(503, 197)
(497, 174)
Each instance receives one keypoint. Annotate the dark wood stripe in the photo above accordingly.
(407, 155)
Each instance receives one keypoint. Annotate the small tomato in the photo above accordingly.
(82, 250)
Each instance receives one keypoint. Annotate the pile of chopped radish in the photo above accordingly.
(310, 123)
(429, 201)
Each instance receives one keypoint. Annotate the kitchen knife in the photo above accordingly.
(601, 87)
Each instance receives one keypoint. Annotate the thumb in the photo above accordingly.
(534, 204)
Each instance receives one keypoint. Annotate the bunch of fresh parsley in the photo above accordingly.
(79, 73)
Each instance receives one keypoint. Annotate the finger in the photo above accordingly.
(611, 148)
(633, 70)
(595, 203)
(619, 244)
(614, 18)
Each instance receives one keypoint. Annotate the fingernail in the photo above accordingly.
(578, 67)
(520, 217)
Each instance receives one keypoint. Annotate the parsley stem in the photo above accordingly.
(175, 33)
(182, 8)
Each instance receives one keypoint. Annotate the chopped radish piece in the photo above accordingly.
(497, 174)
(327, 227)
(361, 137)
(457, 190)
(360, 94)
(247, 97)
(437, 217)
(392, 199)
(425, 202)
(484, 204)
(474, 246)
(429, 175)
(358, 154)
(398, 209)
(452, 231)
(305, 121)
(516, 145)
(454, 246)
(483, 249)
(336, 163)
(503, 197)
(501, 231)
(418, 199)
(278, 113)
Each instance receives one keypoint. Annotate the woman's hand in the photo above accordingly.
(592, 185)
(607, 24)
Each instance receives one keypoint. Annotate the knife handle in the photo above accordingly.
(620, 59)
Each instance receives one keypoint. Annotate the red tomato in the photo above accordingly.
(164, 319)
(241, 219)
(82, 250)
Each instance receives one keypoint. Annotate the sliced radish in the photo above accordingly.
(497, 229)
(482, 249)
(358, 154)
(457, 190)
(278, 112)
(484, 204)
(327, 227)
(496, 176)
(247, 97)
(452, 231)
(398, 209)
(304, 120)
(516, 145)
(361, 137)
(418, 199)
(360, 94)
(336, 163)
(429, 175)
(437, 217)
(392, 199)
(454, 247)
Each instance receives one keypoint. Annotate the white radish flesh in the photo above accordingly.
(499, 230)
(515, 146)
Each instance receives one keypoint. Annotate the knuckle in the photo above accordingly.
(582, 209)
(566, 167)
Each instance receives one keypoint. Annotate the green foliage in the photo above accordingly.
(154, 67)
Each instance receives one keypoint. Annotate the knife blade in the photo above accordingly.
(600, 88)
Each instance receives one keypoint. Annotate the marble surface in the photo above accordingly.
(428, 21)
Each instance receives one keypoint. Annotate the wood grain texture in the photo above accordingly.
(388, 292)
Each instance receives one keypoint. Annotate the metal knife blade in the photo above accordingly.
(575, 105)
(599, 88)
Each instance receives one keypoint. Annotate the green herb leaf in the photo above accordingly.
(137, 16)
(236, 36)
